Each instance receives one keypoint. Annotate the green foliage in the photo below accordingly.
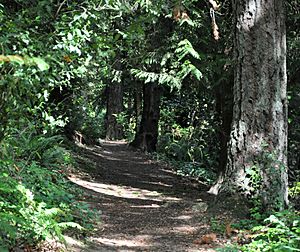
(169, 79)
(189, 146)
(27, 144)
(294, 195)
(280, 232)
(92, 125)
(184, 145)
(36, 203)
(173, 72)
(128, 124)
(39, 62)
(263, 181)
(229, 249)
(185, 48)
(25, 218)
(254, 173)
(294, 191)
(254, 187)
(217, 226)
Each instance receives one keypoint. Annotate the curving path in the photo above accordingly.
(144, 205)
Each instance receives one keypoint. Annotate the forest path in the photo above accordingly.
(144, 205)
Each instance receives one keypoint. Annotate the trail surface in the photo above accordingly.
(144, 205)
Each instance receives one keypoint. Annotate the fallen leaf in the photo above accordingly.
(228, 230)
(206, 239)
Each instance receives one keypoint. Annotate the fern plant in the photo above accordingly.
(26, 218)
(279, 232)
(174, 67)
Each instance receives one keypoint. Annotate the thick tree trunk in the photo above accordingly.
(146, 137)
(258, 140)
(114, 107)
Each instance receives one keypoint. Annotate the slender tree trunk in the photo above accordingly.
(114, 107)
(146, 137)
(138, 99)
(224, 103)
(258, 140)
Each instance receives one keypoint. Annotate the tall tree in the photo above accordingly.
(146, 137)
(258, 140)
(114, 107)
(147, 133)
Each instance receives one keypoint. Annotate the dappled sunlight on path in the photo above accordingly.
(144, 205)
(122, 191)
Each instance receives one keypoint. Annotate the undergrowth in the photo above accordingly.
(276, 232)
(187, 149)
(280, 232)
(188, 169)
(37, 202)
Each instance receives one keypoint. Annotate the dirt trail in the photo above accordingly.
(144, 205)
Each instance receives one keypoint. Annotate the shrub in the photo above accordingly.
(279, 232)
(24, 218)
(36, 199)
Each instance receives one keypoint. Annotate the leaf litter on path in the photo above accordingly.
(145, 206)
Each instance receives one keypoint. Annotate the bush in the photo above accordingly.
(36, 199)
(25, 218)
(192, 148)
(279, 232)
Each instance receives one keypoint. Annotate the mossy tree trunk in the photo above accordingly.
(257, 150)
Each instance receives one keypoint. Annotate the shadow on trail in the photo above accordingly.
(117, 165)
(145, 206)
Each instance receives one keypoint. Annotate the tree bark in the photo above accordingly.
(146, 137)
(114, 130)
(138, 98)
(224, 103)
(258, 139)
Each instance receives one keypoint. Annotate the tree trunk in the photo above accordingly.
(224, 103)
(114, 130)
(60, 102)
(257, 161)
(146, 137)
(138, 95)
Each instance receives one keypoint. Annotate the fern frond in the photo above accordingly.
(184, 48)
(65, 225)
(170, 79)
(188, 68)
(165, 58)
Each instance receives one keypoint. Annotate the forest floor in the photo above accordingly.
(145, 206)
